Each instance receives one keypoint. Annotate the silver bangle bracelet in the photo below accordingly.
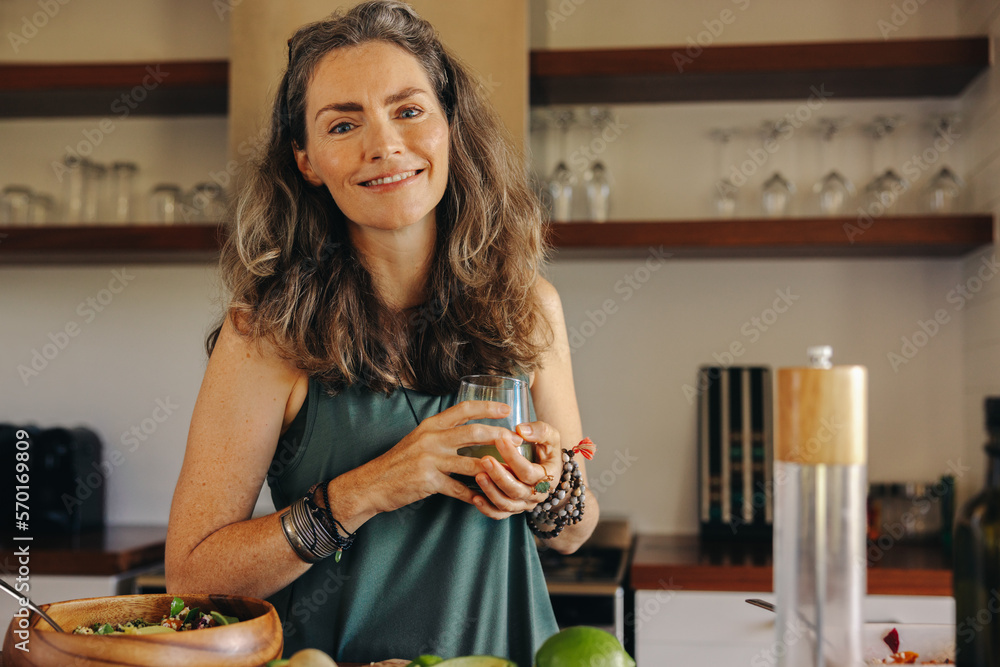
(288, 527)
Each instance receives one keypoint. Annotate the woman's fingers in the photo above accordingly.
(462, 412)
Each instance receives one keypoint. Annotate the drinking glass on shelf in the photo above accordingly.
(75, 176)
(777, 191)
(95, 192)
(40, 209)
(834, 191)
(208, 201)
(165, 203)
(513, 392)
(597, 181)
(15, 205)
(886, 187)
(724, 194)
(944, 192)
(561, 182)
(122, 182)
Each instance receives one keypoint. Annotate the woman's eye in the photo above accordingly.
(411, 112)
(340, 128)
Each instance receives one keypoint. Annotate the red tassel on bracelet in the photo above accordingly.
(586, 448)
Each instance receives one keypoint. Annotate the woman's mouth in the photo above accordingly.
(392, 179)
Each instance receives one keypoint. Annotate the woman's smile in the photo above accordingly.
(376, 137)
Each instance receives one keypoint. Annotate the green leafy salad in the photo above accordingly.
(180, 618)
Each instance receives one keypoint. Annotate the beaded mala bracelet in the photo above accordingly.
(571, 486)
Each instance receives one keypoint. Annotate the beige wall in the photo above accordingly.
(146, 345)
(490, 37)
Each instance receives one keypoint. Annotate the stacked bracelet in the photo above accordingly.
(312, 531)
(570, 485)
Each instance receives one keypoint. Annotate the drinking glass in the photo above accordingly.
(15, 205)
(834, 191)
(777, 191)
(122, 180)
(561, 182)
(596, 179)
(75, 179)
(887, 186)
(95, 193)
(513, 392)
(165, 204)
(724, 195)
(944, 192)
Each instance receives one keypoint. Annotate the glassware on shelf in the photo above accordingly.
(597, 180)
(94, 195)
(75, 179)
(944, 192)
(725, 192)
(15, 205)
(777, 191)
(122, 184)
(834, 191)
(886, 187)
(40, 209)
(165, 203)
(561, 182)
(208, 202)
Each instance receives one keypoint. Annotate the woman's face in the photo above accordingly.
(376, 136)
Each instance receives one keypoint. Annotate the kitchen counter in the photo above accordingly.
(112, 551)
(685, 562)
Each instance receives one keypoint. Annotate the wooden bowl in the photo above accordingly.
(253, 641)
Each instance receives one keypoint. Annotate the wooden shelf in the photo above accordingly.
(843, 70)
(172, 88)
(110, 243)
(909, 236)
(916, 236)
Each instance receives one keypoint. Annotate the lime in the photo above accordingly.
(582, 646)
(476, 661)
(425, 661)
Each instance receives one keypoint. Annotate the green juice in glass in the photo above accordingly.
(513, 392)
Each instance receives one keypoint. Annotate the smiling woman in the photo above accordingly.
(386, 244)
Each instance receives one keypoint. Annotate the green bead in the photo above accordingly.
(336, 556)
(541, 487)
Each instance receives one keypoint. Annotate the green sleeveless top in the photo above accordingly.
(436, 576)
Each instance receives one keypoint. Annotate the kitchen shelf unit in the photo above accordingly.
(925, 67)
(170, 88)
(842, 70)
(916, 236)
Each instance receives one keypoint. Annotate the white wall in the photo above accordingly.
(146, 345)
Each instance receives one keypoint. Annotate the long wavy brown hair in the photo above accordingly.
(296, 281)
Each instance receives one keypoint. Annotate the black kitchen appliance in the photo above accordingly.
(735, 453)
(66, 484)
(588, 587)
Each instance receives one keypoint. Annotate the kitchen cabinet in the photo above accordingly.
(678, 626)
(929, 67)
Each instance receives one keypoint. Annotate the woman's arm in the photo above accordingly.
(557, 427)
(247, 396)
(236, 424)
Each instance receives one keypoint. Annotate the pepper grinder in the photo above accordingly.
(820, 512)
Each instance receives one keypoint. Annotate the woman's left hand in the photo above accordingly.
(510, 491)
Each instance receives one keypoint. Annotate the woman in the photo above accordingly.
(386, 244)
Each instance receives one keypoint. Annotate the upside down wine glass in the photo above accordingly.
(561, 182)
(508, 390)
(724, 194)
(834, 191)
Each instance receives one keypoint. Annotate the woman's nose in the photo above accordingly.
(382, 139)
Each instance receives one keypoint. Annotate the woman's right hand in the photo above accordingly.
(422, 463)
